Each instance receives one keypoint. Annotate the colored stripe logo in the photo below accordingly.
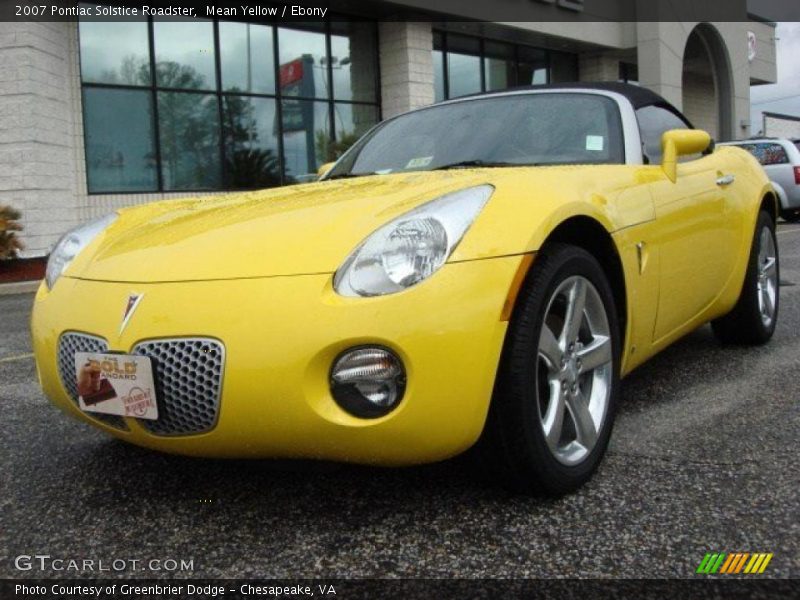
(733, 563)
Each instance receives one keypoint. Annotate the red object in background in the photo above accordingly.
(797, 175)
(22, 269)
(291, 72)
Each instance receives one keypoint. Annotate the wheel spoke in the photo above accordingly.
(553, 420)
(595, 354)
(769, 306)
(584, 424)
(549, 349)
(574, 315)
(768, 267)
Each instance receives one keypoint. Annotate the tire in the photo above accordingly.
(791, 216)
(530, 381)
(752, 321)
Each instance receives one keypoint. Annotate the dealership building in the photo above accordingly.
(98, 115)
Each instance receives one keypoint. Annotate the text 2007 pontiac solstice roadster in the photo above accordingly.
(483, 270)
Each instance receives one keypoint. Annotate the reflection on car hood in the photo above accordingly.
(295, 230)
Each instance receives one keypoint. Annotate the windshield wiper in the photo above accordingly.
(343, 176)
(466, 164)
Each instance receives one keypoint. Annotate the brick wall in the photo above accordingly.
(596, 66)
(700, 102)
(406, 66)
(37, 130)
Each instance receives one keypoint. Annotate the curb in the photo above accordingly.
(19, 287)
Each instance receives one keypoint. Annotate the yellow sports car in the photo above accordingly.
(481, 271)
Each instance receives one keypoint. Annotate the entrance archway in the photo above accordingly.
(707, 83)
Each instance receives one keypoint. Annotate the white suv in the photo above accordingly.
(781, 161)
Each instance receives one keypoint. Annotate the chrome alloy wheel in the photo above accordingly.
(767, 281)
(574, 370)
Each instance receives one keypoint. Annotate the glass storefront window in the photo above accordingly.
(125, 62)
(306, 137)
(273, 118)
(532, 68)
(629, 73)
(114, 162)
(185, 55)
(303, 63)
(352, 121)
(247, 57)
(498, 65)
(563, 67)
(464, 74)
(251, 146)
(438, 67)
(465, 65)
(189, 141)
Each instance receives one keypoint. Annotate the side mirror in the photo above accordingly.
(323, 169)
(680, 142)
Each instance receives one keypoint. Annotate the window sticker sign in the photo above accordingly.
(419, 162)
(595, 143)
(116, 384)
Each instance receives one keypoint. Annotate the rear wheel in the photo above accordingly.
(792, 216)
(753, 319)
(553, 407)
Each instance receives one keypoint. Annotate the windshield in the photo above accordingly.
(521, 129)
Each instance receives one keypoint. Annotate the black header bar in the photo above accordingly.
(406, 10)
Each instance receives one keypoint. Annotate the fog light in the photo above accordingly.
(368, 382)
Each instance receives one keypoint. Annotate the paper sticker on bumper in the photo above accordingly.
(116, 384)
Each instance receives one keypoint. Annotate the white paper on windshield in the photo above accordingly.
(595, 143)
(421, 161)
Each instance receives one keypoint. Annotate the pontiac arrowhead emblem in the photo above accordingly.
(130, 307)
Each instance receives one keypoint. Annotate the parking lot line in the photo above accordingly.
(792, 230)
(17, 357)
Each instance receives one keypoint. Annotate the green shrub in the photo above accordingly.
(9, 226)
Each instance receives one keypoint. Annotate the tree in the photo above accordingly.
(329, 150)
(188, 128)
(9, 242)
(247, 163)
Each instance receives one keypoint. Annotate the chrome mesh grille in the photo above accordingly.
(68, 345)
(188, 374)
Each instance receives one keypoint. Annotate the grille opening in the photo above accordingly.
(188, 378)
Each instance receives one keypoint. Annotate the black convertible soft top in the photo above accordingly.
(636, 95)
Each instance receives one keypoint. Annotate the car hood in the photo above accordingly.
(296, 230)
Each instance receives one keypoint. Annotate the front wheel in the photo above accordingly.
(555, 395)
(753, 319)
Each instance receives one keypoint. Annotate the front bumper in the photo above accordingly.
(281, 335)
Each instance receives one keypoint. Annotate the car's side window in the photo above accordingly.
(768, 153)
(653, 122)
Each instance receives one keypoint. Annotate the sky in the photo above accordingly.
(784, 96)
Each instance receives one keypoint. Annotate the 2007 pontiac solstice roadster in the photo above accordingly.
(480, 271)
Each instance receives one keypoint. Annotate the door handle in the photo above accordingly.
(726, 180)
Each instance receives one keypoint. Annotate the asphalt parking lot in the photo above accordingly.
(702, 460)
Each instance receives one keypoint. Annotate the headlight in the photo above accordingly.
(69, 246)
(412, 247)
